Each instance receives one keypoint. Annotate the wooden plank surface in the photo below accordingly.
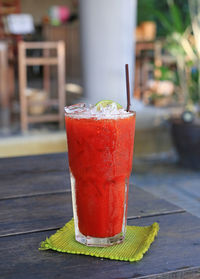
(33, 175)
(41, 61)
(48, 211)
(36, 213)
(37, 163)
(35, 199)
(174, 254)
(38, 45)
(28, 184)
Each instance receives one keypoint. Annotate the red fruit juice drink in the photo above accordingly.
(100, 150)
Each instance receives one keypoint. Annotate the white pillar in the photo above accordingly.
(107, 31)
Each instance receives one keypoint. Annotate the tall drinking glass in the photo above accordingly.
(100, 151)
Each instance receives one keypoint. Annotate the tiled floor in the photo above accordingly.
(166, 179)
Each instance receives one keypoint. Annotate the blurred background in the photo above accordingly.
(52, 55)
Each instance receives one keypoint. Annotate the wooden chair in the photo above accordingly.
(46, 60)
(7, 85)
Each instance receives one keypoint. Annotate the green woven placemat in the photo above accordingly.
(136, 243)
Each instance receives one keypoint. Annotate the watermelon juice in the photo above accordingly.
(100, 150)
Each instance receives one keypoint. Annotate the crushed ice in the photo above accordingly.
(109, 112)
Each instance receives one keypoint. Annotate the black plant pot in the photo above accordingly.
(186, 138)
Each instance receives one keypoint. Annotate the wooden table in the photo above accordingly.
(35, 200)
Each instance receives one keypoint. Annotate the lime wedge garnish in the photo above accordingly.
(106, 103)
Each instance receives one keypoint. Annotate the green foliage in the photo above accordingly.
(193, 86)
(169, 15)
(172, 19)
(174, 46)
(154, 97)
(166, 74)
(145, 10)
(176, 17)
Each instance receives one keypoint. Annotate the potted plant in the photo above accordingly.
(146, 28)
(184, 44)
